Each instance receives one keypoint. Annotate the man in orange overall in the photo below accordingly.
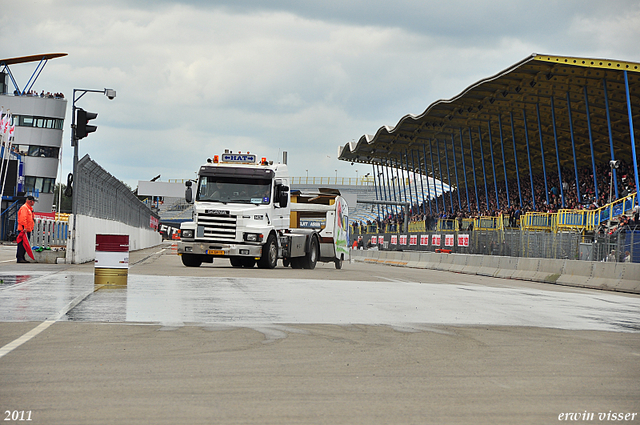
(26, 223)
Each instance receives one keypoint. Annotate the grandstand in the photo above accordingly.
(547, 145)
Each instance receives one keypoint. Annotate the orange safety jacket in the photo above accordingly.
(25, 218)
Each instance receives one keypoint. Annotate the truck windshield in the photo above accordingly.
(233, 189)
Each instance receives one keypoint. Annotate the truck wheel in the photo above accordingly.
(191, 260)
(235, 262)
(311, 258)
(269, 257)
(338, 263)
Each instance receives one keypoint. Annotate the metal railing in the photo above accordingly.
(328, 181)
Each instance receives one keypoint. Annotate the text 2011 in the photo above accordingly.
(17, 415)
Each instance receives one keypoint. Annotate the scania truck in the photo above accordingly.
(243, 210)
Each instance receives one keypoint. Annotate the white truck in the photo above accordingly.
(243, 210)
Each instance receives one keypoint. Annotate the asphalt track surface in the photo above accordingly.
(368, 344)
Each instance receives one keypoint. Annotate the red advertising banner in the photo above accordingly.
(424, 239)
(49, 216)
(394, 239)
(448, 240)
(403, 239)
(374, 239)
(413, 240)
(463, 240)
(435, 240)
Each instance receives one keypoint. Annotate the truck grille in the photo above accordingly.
(218, 228)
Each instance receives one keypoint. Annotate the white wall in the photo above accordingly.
(88, 227)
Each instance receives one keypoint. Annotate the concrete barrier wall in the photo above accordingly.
(88, 227)
(623, 277)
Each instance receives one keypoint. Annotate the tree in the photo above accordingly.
(65, 206)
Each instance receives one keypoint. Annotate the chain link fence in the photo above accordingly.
(100, 195)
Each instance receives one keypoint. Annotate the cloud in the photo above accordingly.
(196, 77)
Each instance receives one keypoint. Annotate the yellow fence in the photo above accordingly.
(564, 220)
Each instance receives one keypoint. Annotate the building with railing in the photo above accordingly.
(32, 156)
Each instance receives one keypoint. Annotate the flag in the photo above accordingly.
(22, 237)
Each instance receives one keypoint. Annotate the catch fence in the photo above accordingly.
(101, 195)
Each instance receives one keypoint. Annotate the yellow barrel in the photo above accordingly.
(111, 276)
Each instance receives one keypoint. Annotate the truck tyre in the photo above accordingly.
(191, 260)
(310, 260)
(269, 257)
(338, 262)
(235, 261)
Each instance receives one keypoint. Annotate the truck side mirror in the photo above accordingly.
(188, 194)
(282, 197)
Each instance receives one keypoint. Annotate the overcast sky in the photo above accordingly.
(302, 76)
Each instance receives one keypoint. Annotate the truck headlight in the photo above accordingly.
(253, 237)
(187, 234)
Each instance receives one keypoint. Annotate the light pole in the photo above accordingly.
(77, 95)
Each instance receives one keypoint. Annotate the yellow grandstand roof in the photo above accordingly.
(518, 95)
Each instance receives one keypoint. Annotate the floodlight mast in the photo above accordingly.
(77, 95)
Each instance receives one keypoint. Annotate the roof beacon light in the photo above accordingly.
(264, 161)
(216, 159)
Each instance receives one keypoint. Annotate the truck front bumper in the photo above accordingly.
(219, 250)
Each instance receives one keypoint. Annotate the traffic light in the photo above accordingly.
(82, 119)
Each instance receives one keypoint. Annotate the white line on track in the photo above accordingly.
(44, 325)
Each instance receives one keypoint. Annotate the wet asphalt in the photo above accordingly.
(218, 344)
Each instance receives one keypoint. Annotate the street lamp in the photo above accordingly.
(77, 95)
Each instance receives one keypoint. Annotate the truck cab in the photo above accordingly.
(242, 211)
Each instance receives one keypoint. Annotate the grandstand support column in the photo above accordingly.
(555, 138)
(633, 138)
(473, 164)
(426, 175)
(544, 167)
(404, 183)
(444, 197)
(455, 166)
(396, 182)
(493, 165)
(464, 168)
(415, 184)
(446, 157)
(573, 146)
(593, 159)
(406, 155)
(484, 173)
(385, 177)
(526, 138)
(433, 170)
(606, 105)
(504, 162)
(515, 156)
(375, 185)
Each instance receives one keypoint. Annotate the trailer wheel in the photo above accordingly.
(310, 260)
(191, 260)
(338, 263)
(269, 257)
